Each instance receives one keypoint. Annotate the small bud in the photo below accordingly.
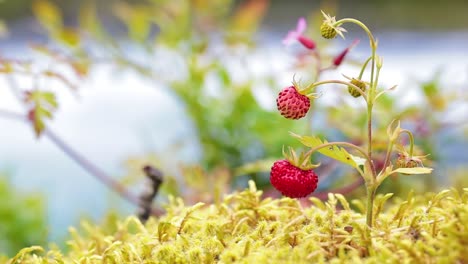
(353, 91)
(393, 133)
(306, 42)
(339, 59)
(379, 62)
(330, 28)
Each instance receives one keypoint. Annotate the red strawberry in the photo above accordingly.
(292, 181)
(291, 104)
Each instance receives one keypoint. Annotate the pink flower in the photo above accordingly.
(297, 35)
(339, 59)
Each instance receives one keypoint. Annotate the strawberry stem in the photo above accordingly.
(411, 138)
(313, 85)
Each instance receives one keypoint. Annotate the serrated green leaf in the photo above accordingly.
(409, 171)
(42, 105)
(48, 14)
(334, 152)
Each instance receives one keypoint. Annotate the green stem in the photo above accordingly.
(373, 45)
(313, 85)
(370, 204)
(369, 137)
(373, 84)
(359, 23)
(364, 67)
(411, 138)
(387, 156)
(376, 80)
(372, 184)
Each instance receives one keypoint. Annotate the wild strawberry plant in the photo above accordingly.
(294, 176)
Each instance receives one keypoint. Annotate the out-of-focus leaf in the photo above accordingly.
(48, 14)
(139, 24)
(68, 36)
(170, 186)
(81, 68)
(333, 152)
(43, 49)
(5, 67)
(254, 167)
(413, 171)
(249, 15)
(23, 219)
(42, 105)
(137, 20)
(433, 95)
(61, 78)
(3, 29)
(89, 20)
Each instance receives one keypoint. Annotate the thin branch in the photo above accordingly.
(86, 164)
(146, 199)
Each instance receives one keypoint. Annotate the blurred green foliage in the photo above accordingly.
(22, 219)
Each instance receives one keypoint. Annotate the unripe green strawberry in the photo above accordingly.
(353, 91)
(327, 31)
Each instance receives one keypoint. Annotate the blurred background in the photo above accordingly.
(189, 87)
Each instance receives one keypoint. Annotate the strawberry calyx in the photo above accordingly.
(304, 90)
(301, 161)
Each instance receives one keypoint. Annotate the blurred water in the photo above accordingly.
(119, 115)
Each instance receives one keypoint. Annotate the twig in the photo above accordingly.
(87, 165)
(146, 199)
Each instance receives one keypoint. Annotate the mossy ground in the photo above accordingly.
(244, 228)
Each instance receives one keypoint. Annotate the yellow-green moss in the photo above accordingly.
(246, 229)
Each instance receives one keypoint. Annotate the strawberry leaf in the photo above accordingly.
(334, 152)
(42, 104)
(263, 165)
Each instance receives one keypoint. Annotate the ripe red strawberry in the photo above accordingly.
(292, 181)
(291, 104)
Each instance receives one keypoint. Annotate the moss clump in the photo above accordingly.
(247, 229)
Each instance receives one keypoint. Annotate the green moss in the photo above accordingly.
(431, 228)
